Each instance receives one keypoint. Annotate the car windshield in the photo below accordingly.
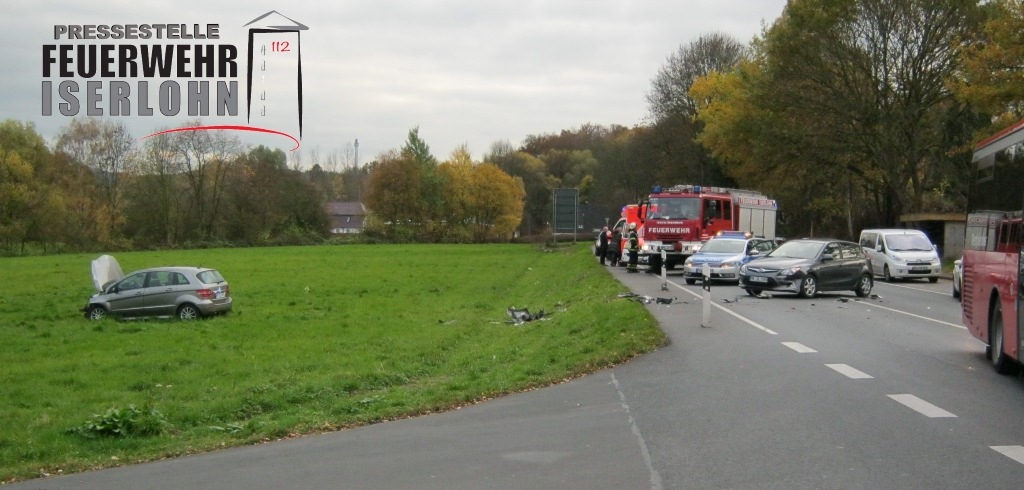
(797, 250)
(720, 246)
(674, 208)
(908, 243)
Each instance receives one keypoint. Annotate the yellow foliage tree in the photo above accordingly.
(496, 202)
(992, 75)
(456, 177)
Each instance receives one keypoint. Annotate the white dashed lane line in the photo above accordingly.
(797, 346)
(921, 406)
(1015, 453)
(850, 372)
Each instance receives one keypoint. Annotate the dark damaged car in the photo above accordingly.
(809, 266)
(181, 291)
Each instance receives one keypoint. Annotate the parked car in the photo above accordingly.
(724, 254)
(809, 266)
(901, 254)
(958, 277)
(184, 292)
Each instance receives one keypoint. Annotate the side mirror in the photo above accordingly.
(754, 252)
(827, 257)
(879, 248)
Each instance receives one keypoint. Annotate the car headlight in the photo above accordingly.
(936, 261)
(688, 262)
(743, 269)
(792, 270)
(898, 259)
(728, 264)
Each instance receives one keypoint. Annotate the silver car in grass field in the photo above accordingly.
(183, 292)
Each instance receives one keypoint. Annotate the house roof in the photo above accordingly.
(335, 208)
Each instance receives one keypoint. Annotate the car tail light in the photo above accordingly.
(205, 293)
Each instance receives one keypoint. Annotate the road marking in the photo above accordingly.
(1015, 453)
(733, 313)
(921, 406)
(876, 305)
(943, 293)
(850, 372)
(913, 315)
(653, 476)
(797, 346)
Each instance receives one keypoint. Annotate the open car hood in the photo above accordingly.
(105, 270)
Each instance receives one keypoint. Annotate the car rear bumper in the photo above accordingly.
(215, 308)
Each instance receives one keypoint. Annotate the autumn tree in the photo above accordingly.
(670, 90)
(495, 204)
(20, 192)
(537, 183)
(394, 197)
(457, 181)
(991, 78)
(107, 148)
(205, 159)
(673, 129)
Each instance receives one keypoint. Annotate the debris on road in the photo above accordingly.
(648, 299)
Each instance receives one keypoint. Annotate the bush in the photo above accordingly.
(123, 422)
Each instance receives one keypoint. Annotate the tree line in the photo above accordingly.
(850, 113)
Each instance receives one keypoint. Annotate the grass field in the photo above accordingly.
(321, 338)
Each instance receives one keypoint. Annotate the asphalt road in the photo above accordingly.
(832, 392)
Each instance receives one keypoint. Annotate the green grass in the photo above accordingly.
(321, 338)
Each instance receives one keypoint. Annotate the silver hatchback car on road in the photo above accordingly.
(184, 292)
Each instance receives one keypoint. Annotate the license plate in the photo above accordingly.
(919, 268)
(758, 279)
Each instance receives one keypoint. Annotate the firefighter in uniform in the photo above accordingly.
(634, 248)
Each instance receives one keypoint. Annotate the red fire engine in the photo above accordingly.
(679, 219)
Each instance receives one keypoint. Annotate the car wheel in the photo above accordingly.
(753, 292)
(188, 312)
(691, 281)
(956, 290)
(864, 285)
(887, 275)
(933, 280)
(1000, 361)
(97, 312)
(809, 287)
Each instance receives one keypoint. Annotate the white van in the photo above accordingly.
(901, 254)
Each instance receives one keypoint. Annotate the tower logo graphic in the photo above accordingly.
(274, 78)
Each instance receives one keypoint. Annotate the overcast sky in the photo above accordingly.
(464, 71)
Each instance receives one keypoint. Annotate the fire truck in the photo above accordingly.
(677, 220)
(617, 250)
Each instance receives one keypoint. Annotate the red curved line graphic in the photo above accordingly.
(229, 128)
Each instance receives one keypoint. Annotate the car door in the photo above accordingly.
(852, 264)
(129, 297)
(829, 270)
(869, 242)
(162, 290)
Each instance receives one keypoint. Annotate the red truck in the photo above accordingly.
(619, 245)
(679, 219)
